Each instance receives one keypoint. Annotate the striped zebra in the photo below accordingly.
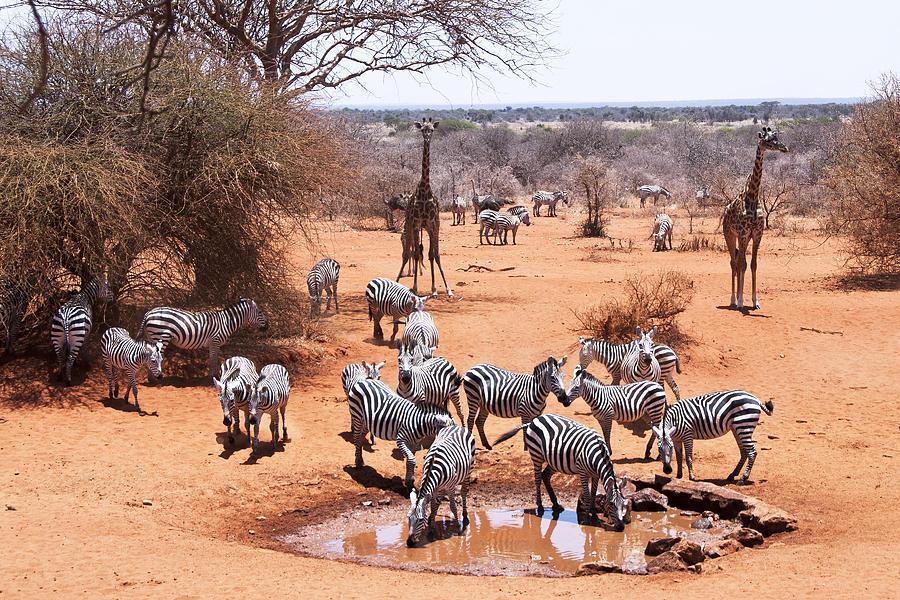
(707, 417)
(434, 382)
(496, 391)
(13, 303)
(643, 400)
(121, 353)
(645, 191)
(548, 199)
(573, 449)
(72, 323)
(323, 277)
(488, 220)
(270, 396)
(191, 330)
(662, 231)
(235, 384)
(447, 465)
(521, 212)
(375, 408)
(387, 297)
(420, 330)
(357, 372)
(505, 223)
(641, 363)
(612, 355)
(458, 209)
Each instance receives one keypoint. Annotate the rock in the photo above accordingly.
(10, 507)
(657, 546)
(690, 552)
(252, 532)
(708, 514)
(696, 568)
(666, 562)
(767, 519)
(147, 502)
(384, 502)
(260, 518)
(649, 499)
(701, 523)
(367, 503)
(597, 568)
(722, 548)
(535, 557)
(689, 513)
(747, 537)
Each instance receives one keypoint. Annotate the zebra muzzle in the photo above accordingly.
(667, 469)
(253, 419)
(226, 421)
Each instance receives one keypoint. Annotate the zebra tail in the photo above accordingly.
(768, 407)
(677, 364)
(510, 434)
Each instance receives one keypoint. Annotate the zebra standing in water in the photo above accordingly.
(13, 303)
(645, 191)
(622, 403)
(121, 353)
(641, 364)
(72, 323)
(270, 396)
(323, 277)
(375, 408)
(191, 330)
(448, 464)
(548, 199)
(235, 385)
(420, 329)
(357, 372)
(707, 417)
(496, 391)
(662, 230)
(571, 448)
(521, 212)
(612, 355)
(387, 297)
(458, 208)
(434, 382)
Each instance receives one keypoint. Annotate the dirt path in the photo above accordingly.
(77, 469)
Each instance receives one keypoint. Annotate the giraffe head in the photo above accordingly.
(768, 139)
(427, 127)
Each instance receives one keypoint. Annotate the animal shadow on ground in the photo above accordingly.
(347, 436)
(747, 312)
(265, 449)
(241, 441)
(184, 381)
(632, 461)
(121, 405)
(368, 477)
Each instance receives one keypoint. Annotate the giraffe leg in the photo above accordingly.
(757, 238)
(731, 244)
(434, 255)
(742, 271)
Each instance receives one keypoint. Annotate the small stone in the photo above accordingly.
(689, 513)
(773, 437)
(10, 507)
(701, 523)
(747, 537)
(657, 546)
(260, 518)
(722, 548)
(16, 473)
(147, 502)
(367, 503)
(708, 514)
(252, 532)
(781, 356)
(535, 557)
(597, 568)
(385, 502)
(666, 562)
(649, 499)
(689, 551)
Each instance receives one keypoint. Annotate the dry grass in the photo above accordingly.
(701, 243)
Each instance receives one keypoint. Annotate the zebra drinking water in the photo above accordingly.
(191, 330)
(645, 191)
(235, 385)
(323, 277)
(72, 323)
(643, 400)
(641, 363)
(571, 448)
(496, 391)
(434, 382)
(387, 297)
(447, 465)
(548, 199)
(613, 355)
(707, 417)
(662, 231)
(420, 329)
(121, 353)
(270, 396)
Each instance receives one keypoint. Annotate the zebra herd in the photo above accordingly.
(418, 410)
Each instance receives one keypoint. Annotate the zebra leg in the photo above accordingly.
(454, 396)
(464, 491)
(585, 495)
(377, 332)
(284, 435)
(538, 501)
(670, 379)
(337, 308)
(679, 453)
(689, 457)
(649, 444)
(453, 506)
(432, 530)
(545, 477)
(359, 434)
(110, 378)
(750, 452)
(70, 361)
(132, 385)
(410, 463)
(273, 427)
(396, 326)
(606, 426)
(593, 497)
(213, 359)
(479, 421)
(743, 450)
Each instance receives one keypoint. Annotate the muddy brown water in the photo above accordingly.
(499, 541)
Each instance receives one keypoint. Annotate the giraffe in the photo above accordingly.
(741, 222)
(423, 213)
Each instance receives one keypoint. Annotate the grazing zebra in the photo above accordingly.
(612, 355)
(191, 330)
(13, 303)
(707, 417)
(496, 391)
(72, 322)
(621, 403)
(420, 329)
(387, 297)
(662, 230)
(375, 408)
(488, 220)
(357, 372)
(458, 208)
(571, 448)
(323, 277)
(235, 385)
(121, 353)
(434, 381)
(549, 199)
(270, 396)
(646, 191)
(521, 212)
(448, 464)
(641, 363)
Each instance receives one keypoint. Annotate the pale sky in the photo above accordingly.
(644, 50)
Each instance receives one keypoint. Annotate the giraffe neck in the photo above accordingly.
(426, 165)
(751, 195)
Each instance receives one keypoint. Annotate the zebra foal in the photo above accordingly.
(270, 397)
(121, 353)
(385, 297)
(73, 321)
(235, 385)
(323, 277)
(612, 356)
(435, 381)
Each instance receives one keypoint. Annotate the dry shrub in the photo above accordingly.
(648, 301)
(701, 243)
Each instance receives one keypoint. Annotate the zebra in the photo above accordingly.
(521, 212)
(323, 277)
(550, 199)
(488, 220)
(662, 230)
(496, 391)
(387, 297)
(707, 417)
(505, 223)
(612, 355)
(13, 303)
(72, 323)
(120, 352)
(434, 381)
(571, 448)
(653, 190)
(641, 363)
(458, 208)
(420, 329)
(643, 400)
(448, 464)
(235, 384)
(191, 330)
(375, 408)
(270, 396)
(357, 372)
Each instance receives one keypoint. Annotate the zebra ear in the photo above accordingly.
(217, 383)
(656, 431)
(652, 332)
(413, 496)
(639, 331)
(582, 340)
(670, 431)
(377, 367)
